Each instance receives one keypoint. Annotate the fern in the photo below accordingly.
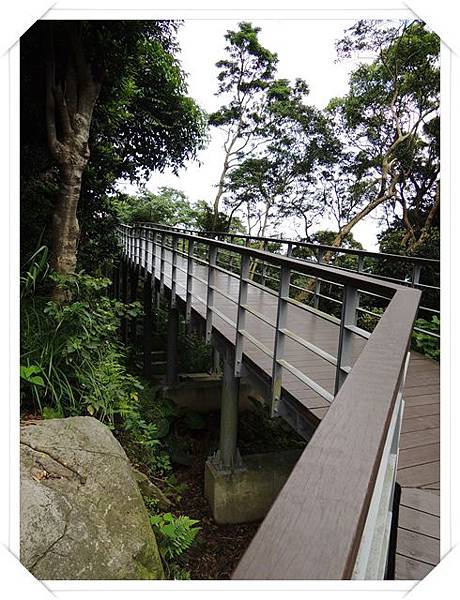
(175, 535)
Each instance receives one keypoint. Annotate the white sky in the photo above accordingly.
(305, 48)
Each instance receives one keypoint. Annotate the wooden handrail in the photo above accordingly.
(341, 277)
(417, 260)
(314, 528)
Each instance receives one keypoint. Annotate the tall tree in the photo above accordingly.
(385, 121)
(278, 179)
(245, 74)
(115, 87)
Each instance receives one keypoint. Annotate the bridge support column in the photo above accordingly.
(148, 326)
(171, 358)
(215, 368)
(228, 453)
(133, 281)
(115, 287)
(124, 296)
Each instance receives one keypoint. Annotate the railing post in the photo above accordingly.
(146, 236)
(174, 272)
(189, 286)
(264, 266)
(171, 356)
(162, 263)
(140, 259)
(416, 269)
(210, 292)
(348, 317)
(136, 246)
(278, 352)
(241, 315)
(316, 296)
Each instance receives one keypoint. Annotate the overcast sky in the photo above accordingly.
(305, 48)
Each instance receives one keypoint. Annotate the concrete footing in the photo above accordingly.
(247, 493)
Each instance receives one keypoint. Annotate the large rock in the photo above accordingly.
(82, 515)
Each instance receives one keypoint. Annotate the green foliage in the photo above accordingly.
(32, 375)
(72, 361)
(51, 413)
(143, 121)
(167, 207)
(175, 535)
(424, 343)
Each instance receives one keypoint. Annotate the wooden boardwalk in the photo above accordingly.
(418, 469)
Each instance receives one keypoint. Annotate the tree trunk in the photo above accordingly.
(220, 191)
(71, 95)
(65, 227)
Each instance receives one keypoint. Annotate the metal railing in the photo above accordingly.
(416, 269)
(358, 438)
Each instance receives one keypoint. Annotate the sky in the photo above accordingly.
(306, 49)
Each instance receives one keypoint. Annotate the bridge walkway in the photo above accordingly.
(418, 467)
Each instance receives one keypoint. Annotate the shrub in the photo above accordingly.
(72, 361)
(425, 343)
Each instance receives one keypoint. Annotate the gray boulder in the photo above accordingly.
(82, 515)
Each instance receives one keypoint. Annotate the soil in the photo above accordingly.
(218, 548)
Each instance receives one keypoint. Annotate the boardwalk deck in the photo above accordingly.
(418, 471)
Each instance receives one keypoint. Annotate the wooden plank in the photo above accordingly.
(410, 569)
(418, 546)
(421, 390)
(421, 400)
(417, 456)
(421, 411)
(421, 522)
(421, 500)
(419, 475)
(420, 423)
(418, 438)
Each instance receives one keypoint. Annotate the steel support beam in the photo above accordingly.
(171, 357)
(228, 454)
(124, 296)
(148, 326)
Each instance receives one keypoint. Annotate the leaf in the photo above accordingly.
(90, 409)
(31, 374)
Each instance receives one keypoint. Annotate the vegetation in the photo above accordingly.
(105, 102)
(115, 106)
(71, 359)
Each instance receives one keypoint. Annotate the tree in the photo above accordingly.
(244, 76)
(115, 87)
(279, 178)
(386, 123)
(167, 207)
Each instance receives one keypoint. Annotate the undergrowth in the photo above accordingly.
(74, 363)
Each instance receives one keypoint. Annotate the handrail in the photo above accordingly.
(326, 272)
(320, 250)
(314, 528)
(312, 245)
(321, 520)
